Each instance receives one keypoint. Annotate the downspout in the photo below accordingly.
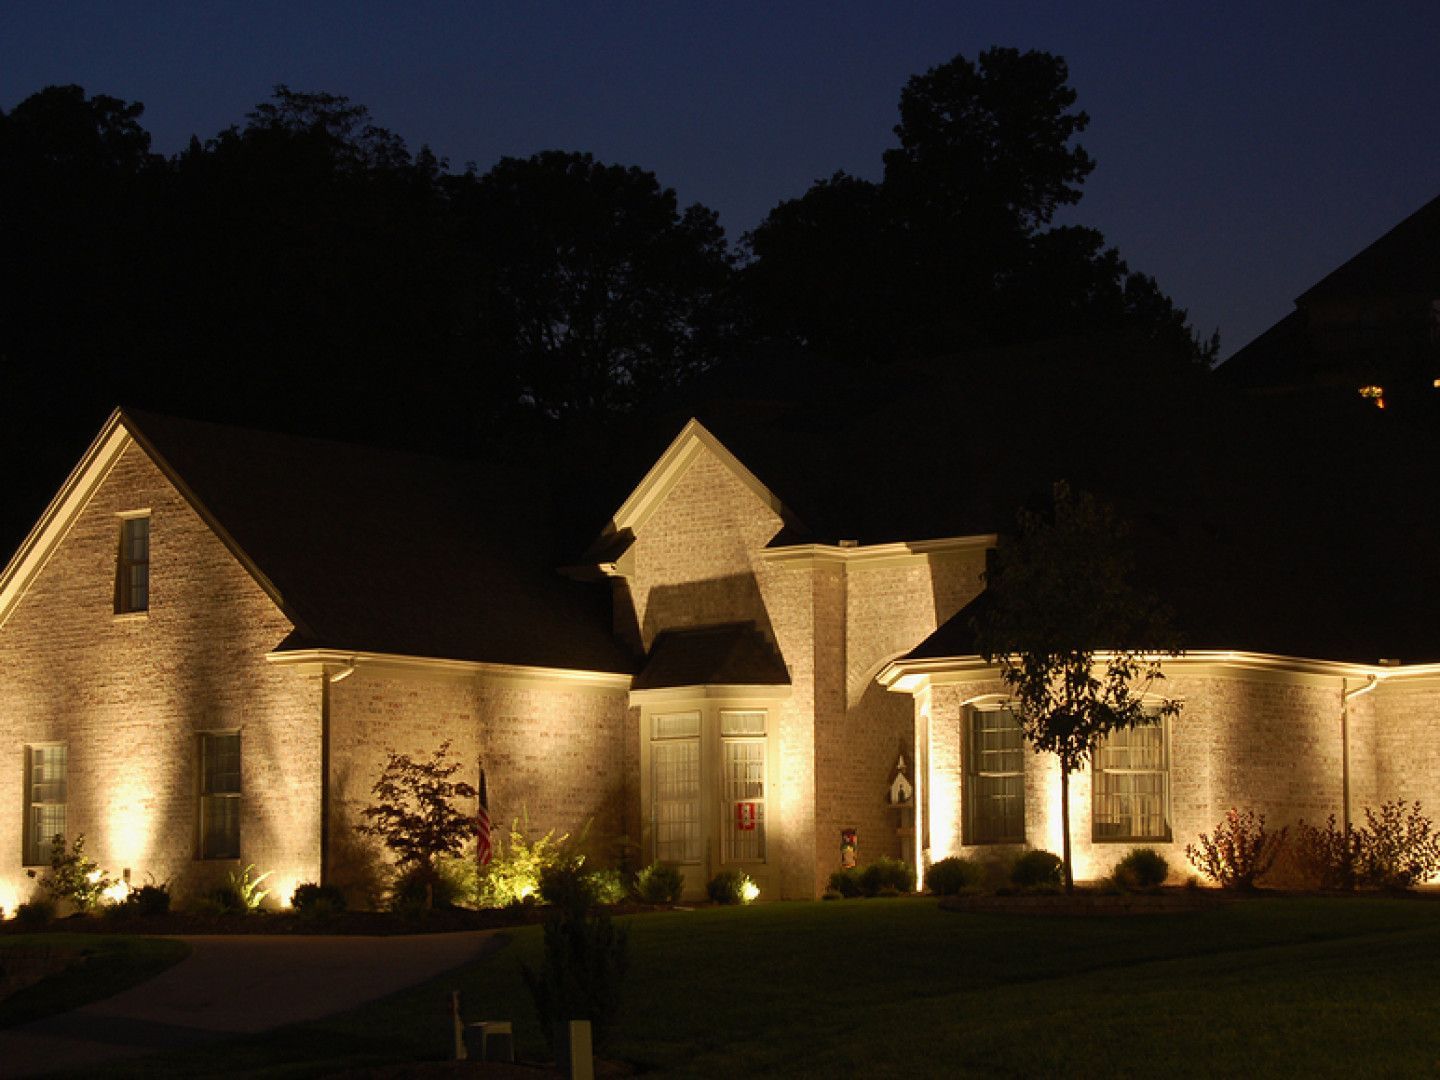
(1346, 696)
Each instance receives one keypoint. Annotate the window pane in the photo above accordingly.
(742, 723)
(675, 800)
(220, 795)
(221, 764)
(219, 827)
(132, 572)
(745, 789)
(675, 726)
(1131, 791)
(45, 802)
(996, 779)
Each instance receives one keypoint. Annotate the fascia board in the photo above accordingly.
(650, 493)
(42, 541)
(395, 665)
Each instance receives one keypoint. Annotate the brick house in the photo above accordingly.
(213, 636)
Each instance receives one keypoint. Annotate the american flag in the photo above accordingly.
(483, 851)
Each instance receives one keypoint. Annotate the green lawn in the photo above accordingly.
(900, 988)
(102, 965)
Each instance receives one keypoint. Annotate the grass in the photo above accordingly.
(102, 966)
(898, 988)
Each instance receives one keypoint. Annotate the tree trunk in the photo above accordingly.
(1065, 825)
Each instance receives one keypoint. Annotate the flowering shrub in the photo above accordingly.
(1398, 849)
(1239, 853)
(1327, 855)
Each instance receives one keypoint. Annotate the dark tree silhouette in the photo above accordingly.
(954, 248)
(600, 292)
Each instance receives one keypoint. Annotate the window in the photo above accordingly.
(675, 788)
(996, 774)
(1132, 784)
(132, 569)
(220, 795)
(45, 794)
(742, 736)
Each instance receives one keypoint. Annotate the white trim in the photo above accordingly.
(909, 676)
(82, 483)
(672, 465)
(392, 665)
(877, 554)
(718, 692)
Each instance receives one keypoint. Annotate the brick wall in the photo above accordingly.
(127, 696)
(1264, 742)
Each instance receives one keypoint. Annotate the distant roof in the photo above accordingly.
(1405, 261)
(383, 551)
(731, 655)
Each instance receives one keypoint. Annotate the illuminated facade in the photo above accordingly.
(213, 637)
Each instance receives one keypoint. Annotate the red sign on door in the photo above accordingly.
(745, 816)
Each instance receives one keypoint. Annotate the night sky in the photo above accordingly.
(1244, 150)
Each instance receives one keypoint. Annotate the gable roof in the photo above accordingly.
(367, 549)
(1406, 260)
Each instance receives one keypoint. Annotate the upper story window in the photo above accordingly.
(1132, 784)
(995, 767)
(132, 568)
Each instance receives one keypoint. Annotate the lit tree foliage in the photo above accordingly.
(1078, 644)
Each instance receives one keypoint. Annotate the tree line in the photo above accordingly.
(306, 267)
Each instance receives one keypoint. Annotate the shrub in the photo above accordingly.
(418, 888)
(955, 874)
(1037, 870)
(317, 901)
(660, 883)
(148, 901)
(513, 873)
(832, 894)
(731, 886)
(586, 958)
(1240, 852)
(887, 873)
(247, 888)
(566, 885)
(846, 882)
(1398, 849)
(1142, 868)
(1326, 855)
(608, 886)
(73, 875)
(35, 913)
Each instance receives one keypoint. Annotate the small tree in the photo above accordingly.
(1078, 644)
(413, 814)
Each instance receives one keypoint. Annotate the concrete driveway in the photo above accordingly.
(234, 985)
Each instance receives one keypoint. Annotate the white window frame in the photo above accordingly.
(980, 781)
(132, 575)
(208, 798)
(1098, 772)
(38, 847)
(677, 733)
